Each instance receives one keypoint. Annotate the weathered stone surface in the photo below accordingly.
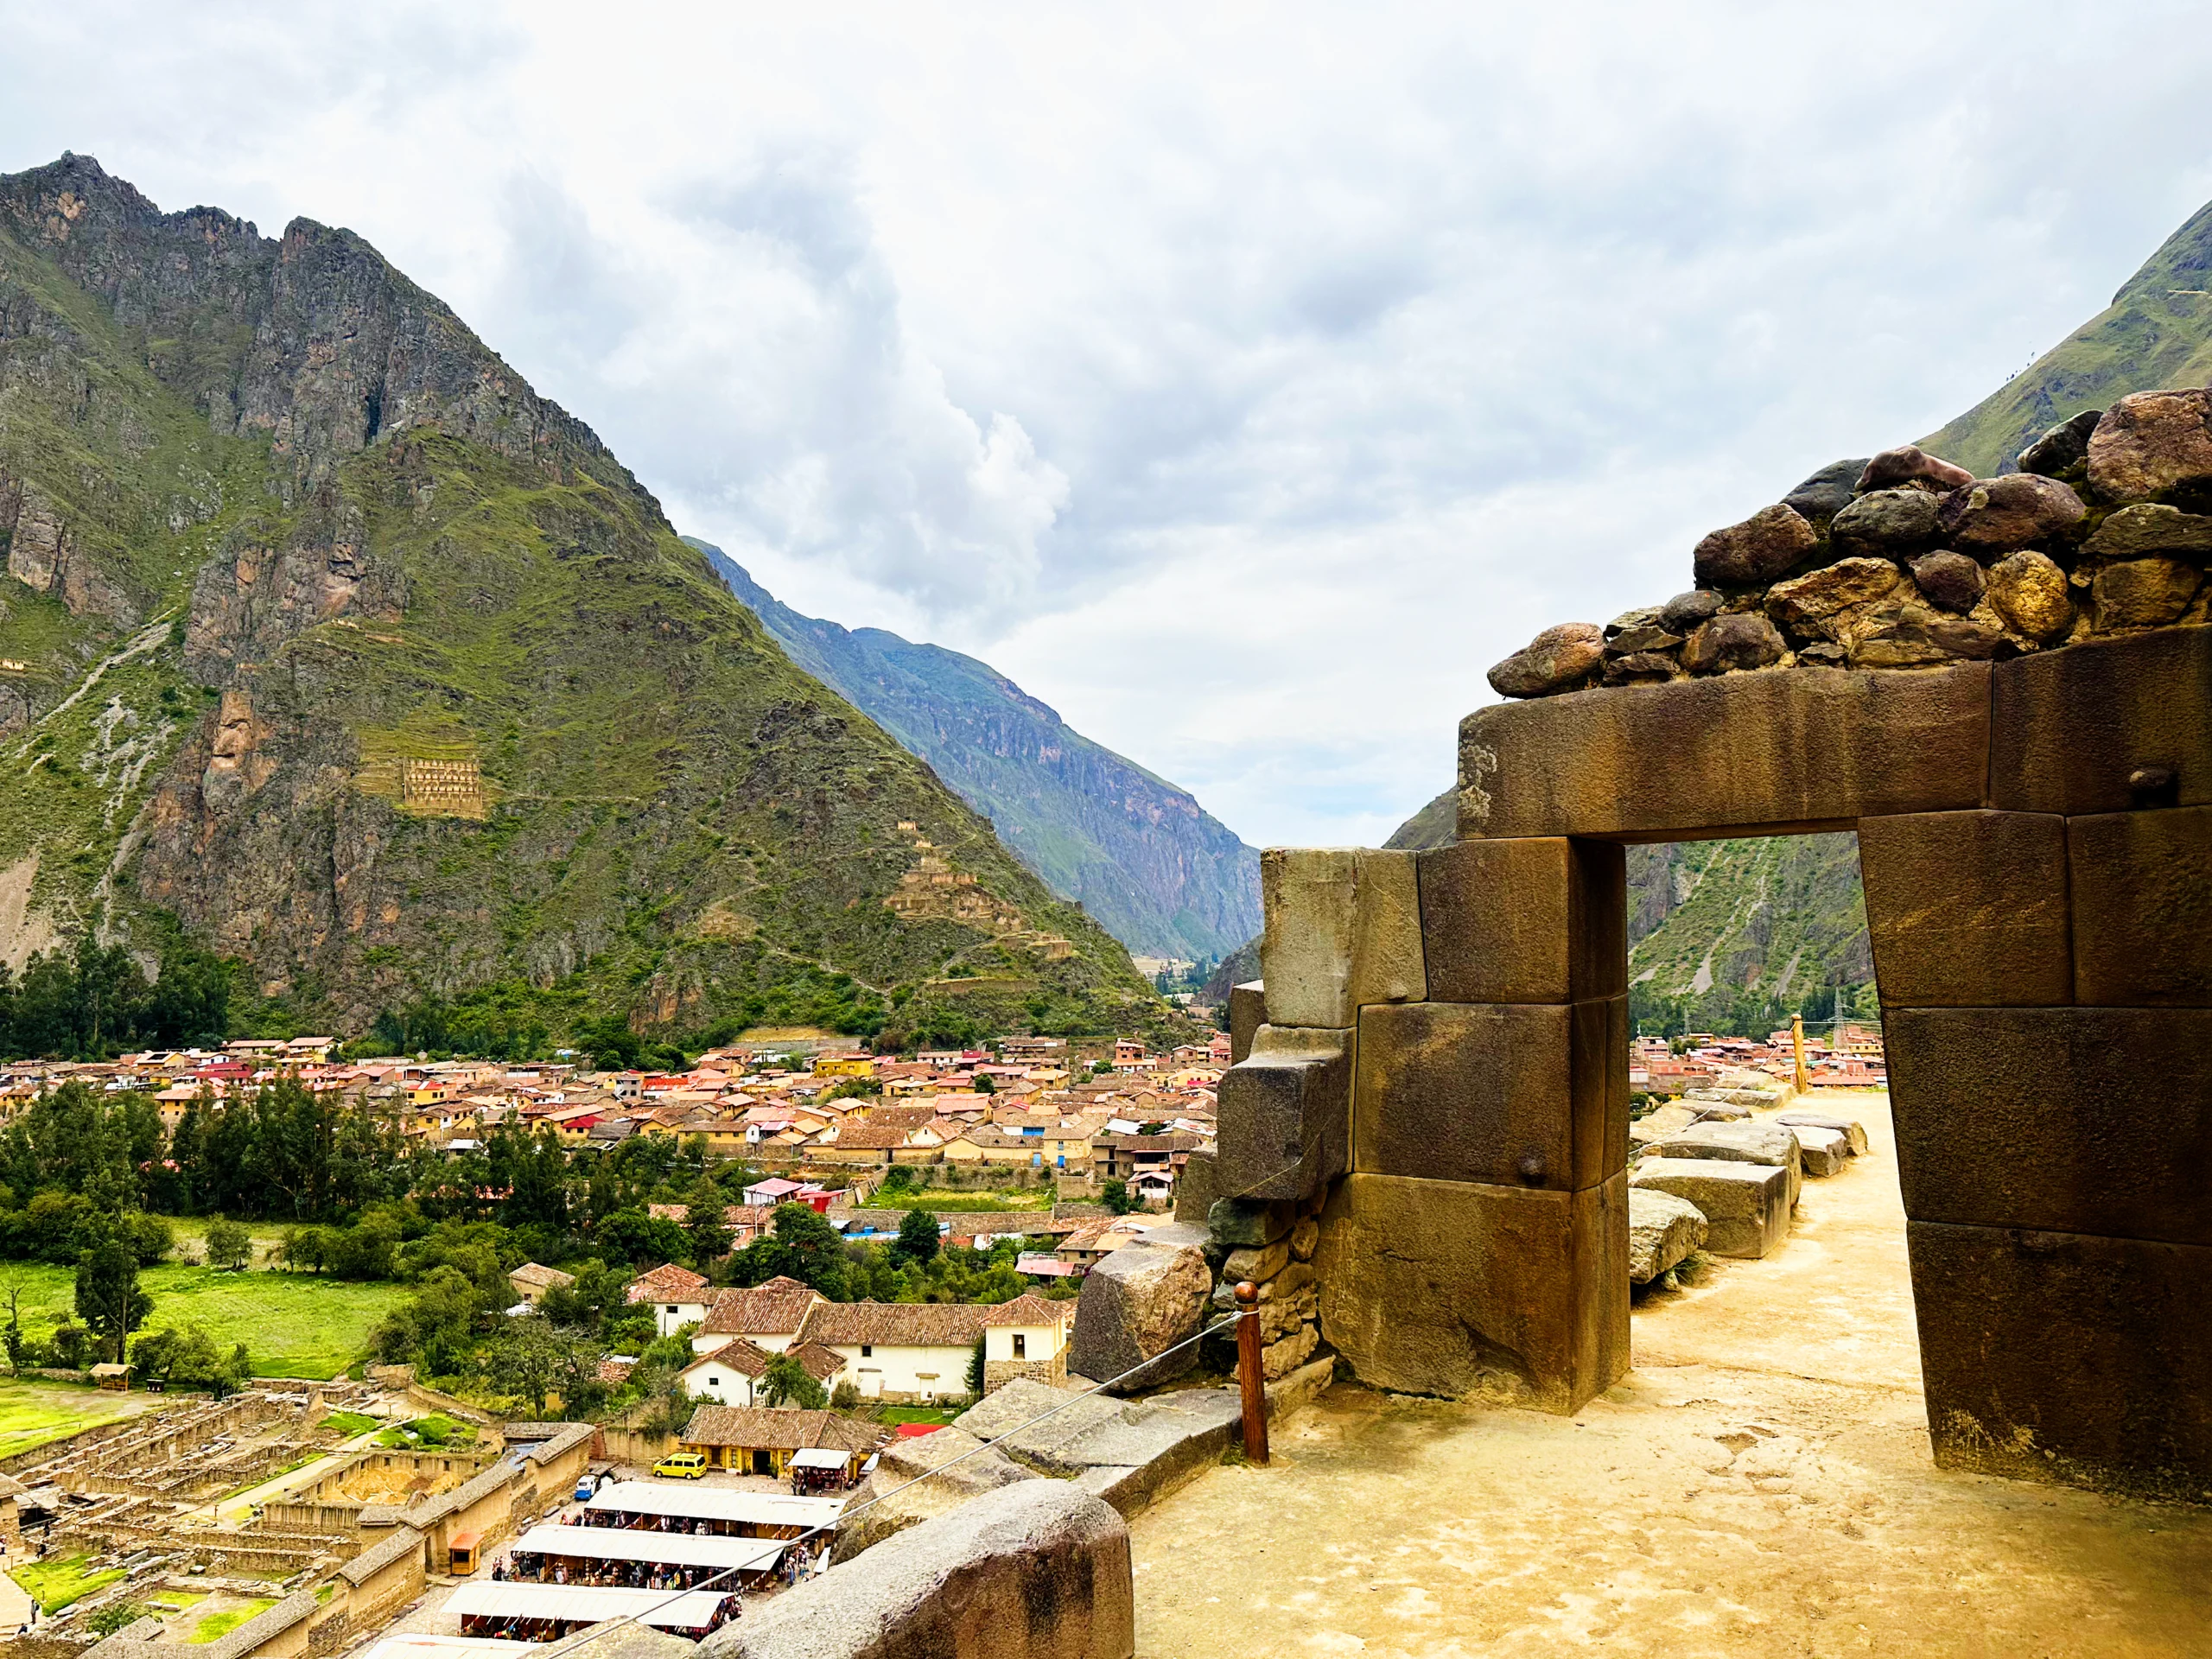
(1968, 909)
(1643, 636)
(1248, 1012)
(1738, 640)
(2078, 1119)
(1854, 1133)
(2070, 727)
(1746, 1206)
(1037, 1570)
(1196, 1189)
(1256, 1261)
(1810, 604)
(1992, 517)
(1643, 616)
(2057, 1356)
(1301, 1387)
(1767, 544)
(2146, 528)
(1909, 464)
(1902, 632)
(1820, 1152)
(2151, 592)
(1234, 1222)
(1285, 1114)
(2142, 894)
(2152, 444)
(2029, 591)
(1443, 1287)
(1558, 659)
(1660, 1124)
(1811, 746)
(1951, 582)
(1137, 1303)
(1343, 930)
(912, 1483)
(1827, 493)
(1748, 1143)
(1281, 1357)
(1303, 1237)
(1642, 668)
(1823, 653)
(1543, 919)
(1685, 611)
(1129, 1453)
(2062, 447)
(1662, 1231)
(1512, 1094)
(1886, 525)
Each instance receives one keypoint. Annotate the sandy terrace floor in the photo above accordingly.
(1759, 1484)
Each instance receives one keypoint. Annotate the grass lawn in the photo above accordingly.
(192, 1237)
(914, 1414)
(347, 1424)
(55, 1583)
(31, 1413)
(292, 1325)
(945, 1201)
(222, 1623)
(433, 1431)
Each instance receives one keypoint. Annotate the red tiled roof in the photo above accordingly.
(775, 1309)
(666, 1283)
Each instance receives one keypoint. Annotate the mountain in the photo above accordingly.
(1141, 856)
(327, 645)
(1724, 933)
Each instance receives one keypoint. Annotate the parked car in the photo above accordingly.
(681, 1465)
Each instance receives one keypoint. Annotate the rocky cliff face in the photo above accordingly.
(1142, 856)
(324, 632)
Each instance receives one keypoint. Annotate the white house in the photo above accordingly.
(677, 1296)
(898, 1352)
(731, 1376)
(1027, 1337)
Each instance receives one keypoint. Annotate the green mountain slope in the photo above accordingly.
(1142, 856)
(325, 638)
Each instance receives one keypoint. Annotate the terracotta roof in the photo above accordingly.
(775, 1309)
(1028, 1309)
(874, 1137)
(776, 1428)
(745, 1357)
(905, 1117)
(894, 1324)
(530, 1274)
(666, 1283)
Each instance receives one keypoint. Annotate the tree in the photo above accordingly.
(229, 1244)
(984, 1086)
(705, 1224)
(918, 1237)
(17, 1344)
(817, 1252)
(975, 1369)
(109, 1299)
(786, 1383)
(1114, 1195)
(525, 1358)
(633, 1235)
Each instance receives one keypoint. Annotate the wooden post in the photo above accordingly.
(1253, 1385)
(1797, 1052)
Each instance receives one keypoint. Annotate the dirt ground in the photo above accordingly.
(1759, 1484)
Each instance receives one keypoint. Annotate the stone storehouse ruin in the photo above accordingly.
(2004, 686)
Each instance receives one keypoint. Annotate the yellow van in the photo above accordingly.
(681, 1465)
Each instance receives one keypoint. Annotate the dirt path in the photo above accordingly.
(1759, 1484)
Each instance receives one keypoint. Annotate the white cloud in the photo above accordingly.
(1242, 380)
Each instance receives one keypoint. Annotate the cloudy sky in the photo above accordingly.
(1244, 380)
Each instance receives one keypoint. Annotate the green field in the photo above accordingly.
(946, 1201)
(292, 1325)
(54, 1585)
(31, 1413)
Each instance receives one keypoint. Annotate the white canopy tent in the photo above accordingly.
(665, 1610)
(817, 1456)
(695, 1503)
(651, 1545)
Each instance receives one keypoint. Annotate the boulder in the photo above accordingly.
(1820, 1152)
(2028, 590)
(1558, 659)
(2152, 444)
(1645, 637)
(1038, 1568)
(1904, 632)
(1685, 611)
(2150, 527)
(1886, 524)
(1742, 639)
(1952, 582)
(912, 1483)
(1748, 1143)
(1138, 1303)
(1629, 621)
(1827, 493)
(1767, 544)
(1854, 1133)
(1746, 1206)
(1642, 668)
(1823, 653)
(1662, 1230)
(2143, 593)
(1343, 930)
(1993, 517)
(1810, 604)
(2064, 447)
(1909, 465)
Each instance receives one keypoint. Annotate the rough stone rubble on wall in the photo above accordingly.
(1906, 560)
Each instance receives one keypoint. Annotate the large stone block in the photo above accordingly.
(1543, 920)
(1793, 749)
(1746, 1206)
(2067, 1357)
(2071, 1120)
(1037, 1570)
(1196, 1190)
(1739, 1143)
(1968, 909)
(1514, 1094)
(2142, 886)
(1343, 930)
(2074, 730)
(1139, 1307)
(1285, 1115)
(1445, 1287)
(918, 1478)
(1248, 1012)
(1662, 1231)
